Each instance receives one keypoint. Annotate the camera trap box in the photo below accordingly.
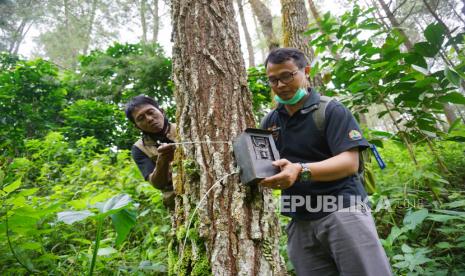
(254, 151)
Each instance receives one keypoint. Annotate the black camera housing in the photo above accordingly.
(254, 151)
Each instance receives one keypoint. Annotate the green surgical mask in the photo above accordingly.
(301, 92)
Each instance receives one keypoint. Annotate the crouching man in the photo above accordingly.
(153, 152)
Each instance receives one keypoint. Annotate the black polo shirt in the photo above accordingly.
(299, 140)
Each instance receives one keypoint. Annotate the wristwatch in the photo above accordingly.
(305, 172)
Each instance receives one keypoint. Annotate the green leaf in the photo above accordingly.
(420, 69)
(115, 203)
(443, 245)
(452, 76)
(413, 219)
(13, 186)
(106, 251)
(435, 34)
(441, 218)
(370, 26)
(406, 249)
(70, 217)
(452, 97)
(455, 204)
(415, 58)
(426, 49)
(123, 221)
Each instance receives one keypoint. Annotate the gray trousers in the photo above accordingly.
(342, 243)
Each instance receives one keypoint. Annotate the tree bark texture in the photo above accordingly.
(263, 14)
(156, 21)
(236, 231)
(143, 20)
(248, 40)
(295, 23)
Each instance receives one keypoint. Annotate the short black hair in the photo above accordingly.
(281, 55)
(138, 101)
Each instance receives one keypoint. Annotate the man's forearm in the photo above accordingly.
(160, 177)
(336, 167)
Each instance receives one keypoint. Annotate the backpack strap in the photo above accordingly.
(267, 119)
(319, 115)
(151, 152)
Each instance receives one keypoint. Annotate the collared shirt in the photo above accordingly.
(146, 160)
(298, 139)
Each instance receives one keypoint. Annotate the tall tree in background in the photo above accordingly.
(75, 27)
(248, 40)
(263, 14)
(295, 23)
(16, 19)
(148, 11)
(449, 110)
(236, 231)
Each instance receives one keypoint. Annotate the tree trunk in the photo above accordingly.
(248, 40)
(236, 231)
(408, 44)
(156, 21)
(263, 15)
(90, 26)
(463, 7)
(448, 110)
(143, 20)
(295, 23)
(439, 20)
(259, 36)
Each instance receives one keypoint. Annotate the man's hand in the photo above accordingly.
(166, 152)
(286, 178)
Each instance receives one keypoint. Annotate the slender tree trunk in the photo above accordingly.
(259, 36)
(236, 231)
(295, 23)
(248, 40)
(143, 20)
(408, 44)
(448, 110)
(266, 22)
(90, 26)
(156, 21)
(439, 20)
(17, 37)
(463, 7)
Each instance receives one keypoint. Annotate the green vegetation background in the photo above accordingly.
(73, 202)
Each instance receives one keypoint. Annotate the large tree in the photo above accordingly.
(449, 110)
(248, 39)
(236, 231)
(295, 23)
(74, 27)
(16, 19)
(263, 14)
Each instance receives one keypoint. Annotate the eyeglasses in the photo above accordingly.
(285, 78)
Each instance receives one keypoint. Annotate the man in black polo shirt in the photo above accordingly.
(153, 152)
(332, 231)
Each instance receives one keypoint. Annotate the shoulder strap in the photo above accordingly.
(140, 145)
(319, 116)
(267, 119)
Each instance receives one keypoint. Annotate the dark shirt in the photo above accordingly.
(144, 163)
(298, 139)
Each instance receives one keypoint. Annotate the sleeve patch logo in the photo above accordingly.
(355, 135)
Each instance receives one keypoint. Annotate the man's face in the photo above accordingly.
(285, 78)
(148, 118)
